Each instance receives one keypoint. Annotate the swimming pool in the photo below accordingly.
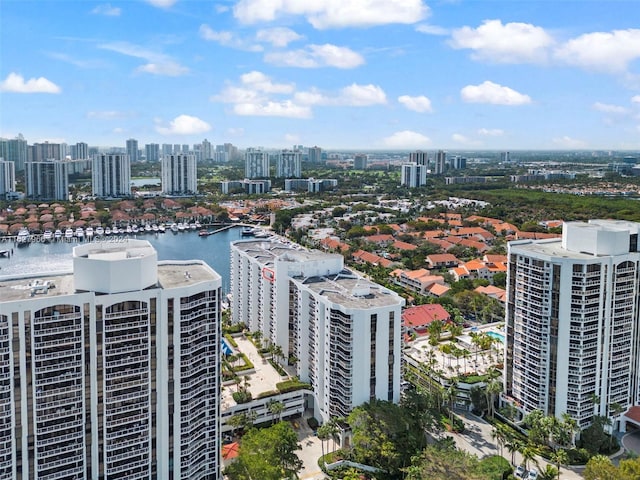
(226, 349)
(497, 335)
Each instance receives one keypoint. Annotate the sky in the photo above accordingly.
(340, 74)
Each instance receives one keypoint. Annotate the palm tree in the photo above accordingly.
(324, 433)
(549, 473)
(615, 409)
(528, 452)
(559, 457)
(275, 408)
(513, 447)
(595, 399)
(236, 421)
(493, 388)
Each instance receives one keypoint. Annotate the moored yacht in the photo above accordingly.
(68, 233)
(79, 233)
(107, 231)
(57, 235)
(89, 233)
(99, 231)
(23, 238)
(47, 236)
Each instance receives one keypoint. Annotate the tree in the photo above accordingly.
(599, 467)
(323, 433)
(528, 453)
(275, 409)
(236, 421)
(559, 457)
(437, 463)
(493, 388)
(549, 473)
(267, 454)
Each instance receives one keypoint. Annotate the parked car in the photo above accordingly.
(520, 471)
(533, 474)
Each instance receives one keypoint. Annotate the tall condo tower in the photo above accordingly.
(256, 163)
(113, 370)
(179, 174)
(47, 180)
(440, 162)
(132, 150)
(344, 330)
(573, 323)
(111, 175)
(289, 164)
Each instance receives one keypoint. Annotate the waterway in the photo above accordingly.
(42, 258)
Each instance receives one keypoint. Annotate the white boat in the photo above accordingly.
(198, 225)
(162, 228)
(23, 238)
(154, 228)
(181, 227)
(68, 234)
(89, 233)
(129, 229)
(107, 231)
(114, 229)
(134, 228)
(47, 236)
(192, 226)
(57, 235)
(174, 227)
(99, 231)
(121, 231)
(79, 233)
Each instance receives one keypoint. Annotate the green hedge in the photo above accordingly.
(230, 339)
(234, 328)
(292, 385)
(277, 367)
(247, 363)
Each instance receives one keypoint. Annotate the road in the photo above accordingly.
(477, 440)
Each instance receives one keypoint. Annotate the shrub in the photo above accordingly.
(292, 385)
(278, 368)
(242, 396)
(313, 423)
(230, 339)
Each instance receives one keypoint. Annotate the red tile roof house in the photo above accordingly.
(417, 319)
(492, 291)
(419, 281)
(380, 239)
(366, 257)
(442, 260)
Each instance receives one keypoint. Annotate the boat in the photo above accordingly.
(154, 228)
(99, 231)
(162, 228)
(192, 226)
(174, 227)
(248, 231)
(57, 235)
(135, 228)
(181, 227)
(79, 233)
(147, 228)
(261, 233)
(198, 225)
(204, 233)
(89, 233)
(129, 230)
(47, 236)
(68, 234)
(107, 231)
(23, 238)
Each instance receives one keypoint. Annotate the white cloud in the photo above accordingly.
(609, 52)
(107, 10)
(15, 83)
(406, 139)
(118, 130)
(418, 104)
(334, 13)
(432, 29)
(235, 132)
(291, 138)
(568, 142)
(278, 36)
(362, 95)
(227, 39)
(184, 125)
(315, 56)
(635, 99)
(285, 108)
(608, 108)
(261, 82)
(159, 63)
(508, 43)
(461, 139)
(74, 61)
(107, 115)
(491, 132)
(161, 3)
(489, 92)
(221, 8)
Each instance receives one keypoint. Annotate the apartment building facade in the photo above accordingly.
(111, 175)
(179, 174)
(573, 321)
(344, 330)
(112, 371)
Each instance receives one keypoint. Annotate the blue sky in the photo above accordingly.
(361, 74)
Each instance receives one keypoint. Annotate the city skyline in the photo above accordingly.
(367, 74)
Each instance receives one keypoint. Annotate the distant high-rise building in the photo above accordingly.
(179, 174)
(573, 323)
(47, 180)
(207, 150)
(457, 162)
(505, 157)
(440, 162)
(167, 149)
(185, 148)
(132, 150)
(80, 151)
(413, 175)
(7, 178)
(111, 371)
(41, 152)
(232, 151)
(256, 163)
(419, 157)
(315, 155)
(177, 148)
(289, 164)
(360, 161)
(152, 152)
(15, 150)
(111, 175)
